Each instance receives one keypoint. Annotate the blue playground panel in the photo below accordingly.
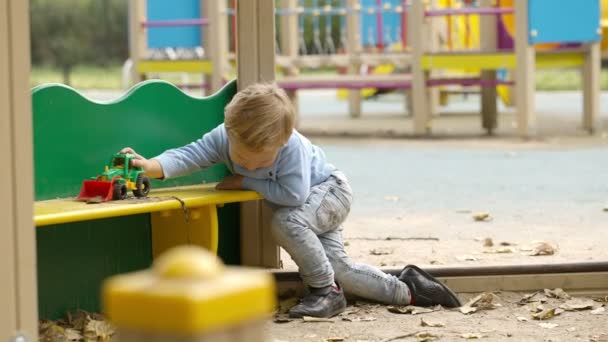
(184, 36)
(564, 21)
(391, 22)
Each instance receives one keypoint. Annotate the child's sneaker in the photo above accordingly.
(320, 302)
(426, 290)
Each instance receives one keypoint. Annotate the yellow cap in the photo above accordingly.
(189, 291)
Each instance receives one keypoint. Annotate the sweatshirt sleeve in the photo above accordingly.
(292, 185)
(197, 155)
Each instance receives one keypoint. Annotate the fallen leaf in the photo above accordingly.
(547, 314)
(346, 243)
(359, 319)
(287, 304)
(281, 320)
(425, 336)
(601, 299)
(522, 319)
(98, 331)
(506, 243)
(532, 297)
(472, 336)
(487, 242)
(577, 304)
(410, 309)
(73, 335)
(391, 198)
(536, 307)
(381, 251)
(543, 248)
(309, 319)
(484, 301)
(598, 311)
(350, 312)
(335, 339)
(466, 258)
(501, 250)
(482, 217)
(557, 293)
(424, 323)
(78, 320)
(548, 325)
(53, 333)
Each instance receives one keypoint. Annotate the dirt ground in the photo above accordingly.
(509, 322)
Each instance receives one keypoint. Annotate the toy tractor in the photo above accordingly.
(119, 177)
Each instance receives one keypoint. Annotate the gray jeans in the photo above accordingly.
(312, 235)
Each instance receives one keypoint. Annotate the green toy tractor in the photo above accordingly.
(119, 177)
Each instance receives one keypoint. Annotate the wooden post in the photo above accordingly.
(255, 63)
(591, 86)
(487, 30)
(524, 73)
(137, 37)
(415, 25)
(353, 37)
(18, 295)
(215, 39)
(289, 44)
(432, 44)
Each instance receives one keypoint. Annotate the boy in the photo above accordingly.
(259, 145)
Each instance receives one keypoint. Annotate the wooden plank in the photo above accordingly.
(419, 92)
(216, 41)
(19, 290)
(256, 46)
(353, 39)
(524, 74)
(8, 301)
(488, 32)
(137, 37)
(591, 87)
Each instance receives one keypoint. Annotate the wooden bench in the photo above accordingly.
(79, 244)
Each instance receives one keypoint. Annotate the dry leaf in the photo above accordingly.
(506, 243)
(522, 319)
(466, 258)
(543, 248)
(79, 320)
(598, 311)
(484, 301)
(482, 217)
(487, 242)
(309, 319)
(424, 336)
(381, 251)
(472, 336)
(410, 309)
(73, 335)
(557, 293)
(424, 323)
(359, 319)
(531, 298)
(577, 304)
(547, 314)
(98, 331)
(335, 339)
(548, 325)
(601, 299)
(391, 198)
(536, 307)
(501, 250)
(287, 304)
(282, 319)
(53, 333)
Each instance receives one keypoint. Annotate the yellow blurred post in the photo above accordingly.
(190, 296)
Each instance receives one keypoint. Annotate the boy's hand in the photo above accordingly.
(152, 167)
(234, 182)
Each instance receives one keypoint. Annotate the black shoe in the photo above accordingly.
(320, 302)
(426, 290)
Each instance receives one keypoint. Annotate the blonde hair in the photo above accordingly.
(259, 117)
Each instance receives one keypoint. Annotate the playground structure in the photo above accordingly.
(418, 47)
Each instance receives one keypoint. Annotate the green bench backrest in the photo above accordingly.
(73, 139)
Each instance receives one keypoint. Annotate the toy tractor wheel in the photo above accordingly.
(142, 186)
(120, 191)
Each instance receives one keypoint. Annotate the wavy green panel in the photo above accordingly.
(74, 136)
